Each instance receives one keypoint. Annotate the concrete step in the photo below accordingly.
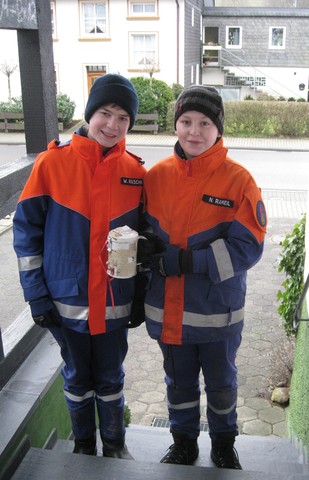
(256, 453)
(40, 464)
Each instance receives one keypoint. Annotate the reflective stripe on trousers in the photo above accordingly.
(93, 372)
(182, 365)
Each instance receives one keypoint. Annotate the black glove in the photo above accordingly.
(147, 246)
(173, 261)
(137, 316)
(44, 312)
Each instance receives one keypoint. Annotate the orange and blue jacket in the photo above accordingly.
(212, 206)
(72, 199)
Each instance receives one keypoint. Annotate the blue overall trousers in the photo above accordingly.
(182, 365)
(93, 378)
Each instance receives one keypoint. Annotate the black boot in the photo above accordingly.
(116, 449)
(223, 453)
(86, 446)
(183, 452)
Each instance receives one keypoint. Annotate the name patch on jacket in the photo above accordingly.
(135, 182)
(219, 202)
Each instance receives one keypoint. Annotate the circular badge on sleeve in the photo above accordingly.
(261, 213)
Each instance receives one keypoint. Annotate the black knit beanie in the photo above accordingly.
(202, 99)
(112, 88)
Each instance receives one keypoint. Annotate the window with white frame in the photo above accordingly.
(143, 9)
(233, 37)
(277, 37)
(143, 51)
(53, 19)
(94, 18)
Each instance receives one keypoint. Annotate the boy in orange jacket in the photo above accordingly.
(77, 192)
(208, 224)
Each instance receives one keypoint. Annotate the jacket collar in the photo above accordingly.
(90, 149)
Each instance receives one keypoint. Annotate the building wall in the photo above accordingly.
(192, 38)
(285, 69)
(255, 40)
(72, 54)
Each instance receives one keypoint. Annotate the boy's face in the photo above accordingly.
(196, 133)
(108, 125)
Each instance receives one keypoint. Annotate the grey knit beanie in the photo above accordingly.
(202, 99)
(112, 88)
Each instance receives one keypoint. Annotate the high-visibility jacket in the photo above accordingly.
(211, 205)
(72, 199)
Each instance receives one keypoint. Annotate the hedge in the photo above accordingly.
(261, 119)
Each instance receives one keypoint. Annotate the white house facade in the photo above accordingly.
(130, 37)
(241, 47)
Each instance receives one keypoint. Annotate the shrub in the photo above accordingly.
(177, 89)
(265, 97)
(154, 95)
(281, 364)
(15, 106)
(248, 97)
(170, 117)
(292, 259)
(266, 119)
(127, 415)
(66, 107)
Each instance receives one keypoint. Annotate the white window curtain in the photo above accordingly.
(144, 50)
(94, 15)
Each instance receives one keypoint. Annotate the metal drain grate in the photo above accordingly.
(165, 423)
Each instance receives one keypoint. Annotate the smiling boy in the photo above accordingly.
(77, 192)
(208, 223)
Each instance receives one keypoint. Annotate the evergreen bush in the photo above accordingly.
(15, 106)
(64, 106)
(177, 89)
(266, 119)
(292, 259)
(154, 96)
(170, 117)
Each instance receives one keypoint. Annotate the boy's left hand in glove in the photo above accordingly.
(172, 261)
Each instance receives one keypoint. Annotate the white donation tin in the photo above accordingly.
(122, 252)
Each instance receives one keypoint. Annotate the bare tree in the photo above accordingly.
(8, 70)
(150, 66)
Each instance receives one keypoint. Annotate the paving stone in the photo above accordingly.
(272, 415)
(245, 414)
(258, 404)
(280, 429)
(257, 427)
